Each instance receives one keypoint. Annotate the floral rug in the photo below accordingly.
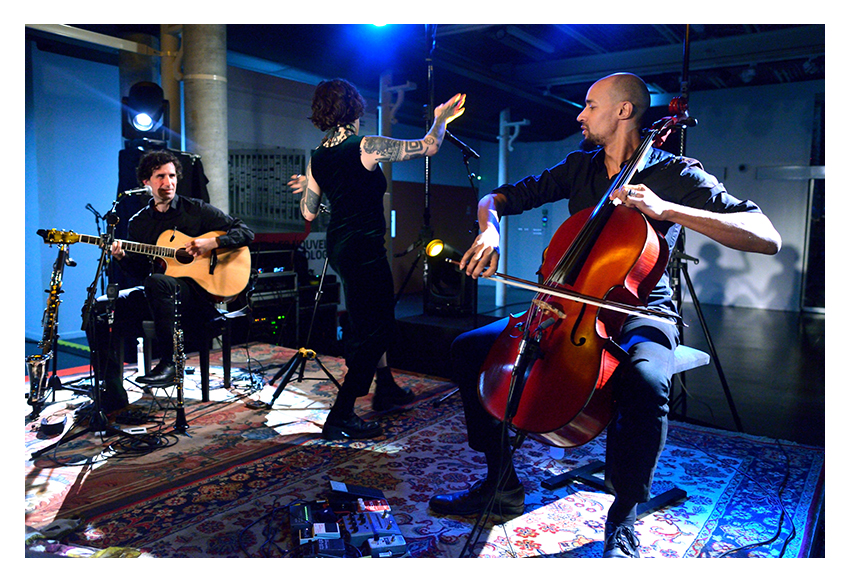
(223, 488)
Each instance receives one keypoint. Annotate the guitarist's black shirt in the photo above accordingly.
(190, 216)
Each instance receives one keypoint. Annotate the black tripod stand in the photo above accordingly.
(426, 234)
(679, 268)
(97, 423)
(299, 361)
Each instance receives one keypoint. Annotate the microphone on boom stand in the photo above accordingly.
(467, 151)
(143, 191)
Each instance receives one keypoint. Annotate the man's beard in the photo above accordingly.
(588, 144)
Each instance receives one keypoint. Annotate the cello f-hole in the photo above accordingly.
(580, 341)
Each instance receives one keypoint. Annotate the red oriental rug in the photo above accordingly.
(223, 489)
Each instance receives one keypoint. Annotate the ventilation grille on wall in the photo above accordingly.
(258, 191)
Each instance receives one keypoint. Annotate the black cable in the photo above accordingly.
(267, 530)
(777, 496)
(504, 470)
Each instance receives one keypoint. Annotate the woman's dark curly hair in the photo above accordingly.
(153, 160)
(336, 102)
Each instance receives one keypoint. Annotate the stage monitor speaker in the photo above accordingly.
(448, 291)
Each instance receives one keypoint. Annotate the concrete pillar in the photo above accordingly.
(170, 45)
(205, 93)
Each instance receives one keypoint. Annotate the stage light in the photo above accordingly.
(142, 122)
(434, 248)
(144, 112)
(448, 290)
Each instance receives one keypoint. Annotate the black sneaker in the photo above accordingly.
(620, 542)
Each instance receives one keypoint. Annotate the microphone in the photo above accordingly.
(467, 151)
(145, 190)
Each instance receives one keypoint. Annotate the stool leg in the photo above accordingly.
(204, 354)
(225, 352)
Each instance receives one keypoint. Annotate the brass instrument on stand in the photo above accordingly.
(37, 364)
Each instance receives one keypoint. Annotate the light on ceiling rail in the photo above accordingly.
(144, 112)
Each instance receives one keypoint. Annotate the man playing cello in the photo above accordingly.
(672, 192)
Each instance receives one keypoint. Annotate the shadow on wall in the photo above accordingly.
(715, 282)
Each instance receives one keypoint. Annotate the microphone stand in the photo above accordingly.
(678, 268)
(426, 233)
(98, 422)
(97, 219)
(527, 354)
(299, 361)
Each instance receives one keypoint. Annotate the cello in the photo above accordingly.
(547, 373)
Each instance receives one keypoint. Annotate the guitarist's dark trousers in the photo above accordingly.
(153, 301)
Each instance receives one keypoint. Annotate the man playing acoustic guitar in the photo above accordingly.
(169, 220)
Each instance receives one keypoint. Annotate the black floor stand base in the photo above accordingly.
(587, 475)
(296, 364)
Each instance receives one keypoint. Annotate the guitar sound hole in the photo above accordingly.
(183, 257)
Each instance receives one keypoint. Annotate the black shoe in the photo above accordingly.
(506, 505)
(110, 401)
(162, 375)
(353, 427)
(620, 542)
(391, 395)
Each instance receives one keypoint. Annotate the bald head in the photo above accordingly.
(628, 87)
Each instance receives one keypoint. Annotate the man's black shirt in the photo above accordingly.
(189, 216)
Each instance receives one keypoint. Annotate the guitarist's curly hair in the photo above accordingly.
(153, 160)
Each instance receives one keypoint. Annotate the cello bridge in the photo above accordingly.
(547, 308)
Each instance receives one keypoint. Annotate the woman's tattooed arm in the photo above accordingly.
(310, 197)
(385, 149)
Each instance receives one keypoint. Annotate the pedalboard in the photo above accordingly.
(346, 525)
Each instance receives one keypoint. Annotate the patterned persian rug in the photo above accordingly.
(223, 488)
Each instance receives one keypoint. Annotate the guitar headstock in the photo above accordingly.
(62, 237)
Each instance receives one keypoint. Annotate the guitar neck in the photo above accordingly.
(133, 247)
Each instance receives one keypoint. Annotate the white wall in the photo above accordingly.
(739, 131)
(72, 140)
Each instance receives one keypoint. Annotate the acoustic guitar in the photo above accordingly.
(223, 273)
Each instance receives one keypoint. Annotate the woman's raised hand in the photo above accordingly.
(451, 109)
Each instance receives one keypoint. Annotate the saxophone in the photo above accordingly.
(180, 364)
(37, 364)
